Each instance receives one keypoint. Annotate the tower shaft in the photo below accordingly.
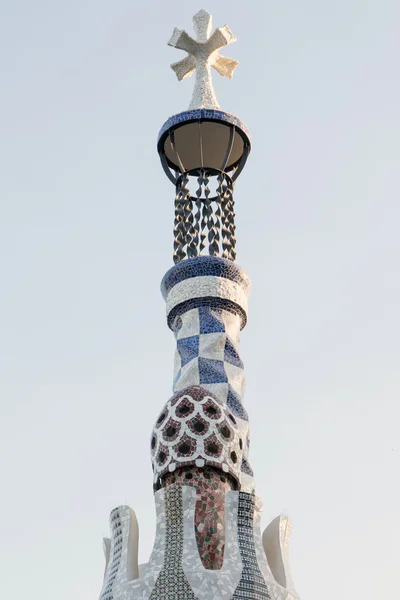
(208, 543)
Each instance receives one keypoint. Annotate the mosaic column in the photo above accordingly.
(201, 437)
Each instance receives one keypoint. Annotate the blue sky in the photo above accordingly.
(86, 235)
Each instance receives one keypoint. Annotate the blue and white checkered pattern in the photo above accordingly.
(207, 355)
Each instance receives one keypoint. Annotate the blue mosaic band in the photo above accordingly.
(201, 266)
(205, 114)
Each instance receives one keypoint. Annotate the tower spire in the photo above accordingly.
(208, 542)
(204, 149)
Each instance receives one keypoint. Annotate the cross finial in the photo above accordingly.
(202, 55)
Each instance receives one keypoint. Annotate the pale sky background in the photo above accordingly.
(86, 236)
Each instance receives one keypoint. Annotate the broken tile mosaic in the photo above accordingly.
(193, 426)
(171, 583)
(252, 583)
(201, 266)
(211, 486)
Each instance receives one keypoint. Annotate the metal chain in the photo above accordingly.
(212, 250)
(231, 226)
(187, 212)
(221, 191)
(217, 227)
(178, 241)
(211, 223)
(180, 229)
(190, 228)
(196, 225)
(204, 214)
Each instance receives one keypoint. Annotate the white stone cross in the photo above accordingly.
(202, 55)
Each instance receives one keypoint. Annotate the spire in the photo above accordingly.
(208, 543)
(204, 149)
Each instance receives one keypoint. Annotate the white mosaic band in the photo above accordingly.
(207, 287)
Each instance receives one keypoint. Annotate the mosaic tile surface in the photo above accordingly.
(202, 54)
(175, 569)
(207, 332)
(212, 584)
(201, 266)
(208, 286)
(207, 353)
(196, 428)
(205, 281)
(210, 115)
(121, 553)
(114, 555)
(144, 587)
(209, 520)
(208, 302)
(171, 583)
(252, 583)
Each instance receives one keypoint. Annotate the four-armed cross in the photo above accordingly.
(202, 55)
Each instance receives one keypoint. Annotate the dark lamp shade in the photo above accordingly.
(205, 144)
(214, 140)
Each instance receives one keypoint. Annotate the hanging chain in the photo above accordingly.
(213, 221)
(221, 191)
(232, 226)
(217, 237)
(196, 225)
(179, 240)
(204, 213)
(212, 248)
